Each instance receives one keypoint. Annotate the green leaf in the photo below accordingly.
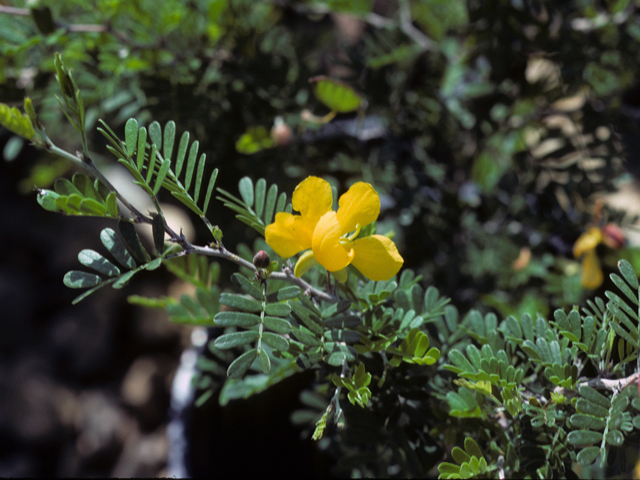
(191, 163)
(151, 166)
(162, 173)
(142, 140)
(236, 319)
(459, 455)
(131, 136)
(276, 324)
(270, 204)
(116, 248)
(277, 309)
(580, 420)
(265, 362)
(306, 337)
(614, 437)
(112, 204)
(341, 306)
(63, 186)
(245, 186)
(624, 288)
(628, 273)
(336, 359)
(182, 152)
(594, 396)
(169, 137)
(47, 200)
(584, 437)
(282, 202)
(336, 95)
(188, 202)
(349, 321)
(155, 133)
(78, 279)
(199, 174)
(472, 447)
(260, 193)
(19, 123)
(89, 206)
(276, 341)
(124, 279)
(241, 365)
(85, 187)
(246, 285)
(346, 336)
(132, 241)
(590, 408)
(212, 182)
(97, 262)
(241, 303)
(85, 294)
(254, 140)
(588, 455)
(235, 339)
(285, 293)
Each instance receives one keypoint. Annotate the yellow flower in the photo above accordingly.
(331, 236)
(585, 247)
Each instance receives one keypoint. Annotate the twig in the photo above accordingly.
(407, 27)
(221, 252)
(607, 384)
(14, 10)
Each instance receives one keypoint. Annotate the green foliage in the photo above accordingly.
(152, 168)
(254, 140)
(18, 123)
(116, 278)
(492, 123)
(337, 96)
(262, 315)
(80, 196)
(258, 204)
(470, 462)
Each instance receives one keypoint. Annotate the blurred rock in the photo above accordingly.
(142, 455)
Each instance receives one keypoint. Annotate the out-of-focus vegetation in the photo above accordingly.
(492, 131)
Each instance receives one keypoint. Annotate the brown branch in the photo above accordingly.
(608, 384)
(14, 10)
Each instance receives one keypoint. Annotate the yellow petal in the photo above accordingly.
(289, 234)
(359, 205)
(588, 241)
(326, 244)
(312, 198)
(377, 257)
(306, 262)
(591, 272)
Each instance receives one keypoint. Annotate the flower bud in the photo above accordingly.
(523, 259)
(261, 259)
(281, 132)
(613, 236)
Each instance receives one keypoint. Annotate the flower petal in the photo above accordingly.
(305, 263)
(376, 257)
(592, 276)
(289, 234)
(587, 241)
(359, 205)
(326, 244)
(312, 198)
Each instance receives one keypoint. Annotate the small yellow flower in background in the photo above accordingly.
(331, 236)
(612, 236)
(585, 248)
